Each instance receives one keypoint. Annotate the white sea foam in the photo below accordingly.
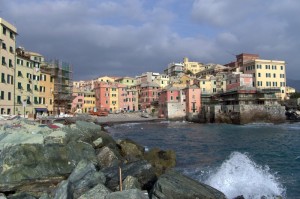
(127, 124)
(239, 175)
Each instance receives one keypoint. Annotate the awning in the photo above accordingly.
(41, 109)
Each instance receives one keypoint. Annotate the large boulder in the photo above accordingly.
(25, 167)
(84, 177)
(141, 170)
(64, 190)
(131, 150)
(130, 194)
(99, 192)
(131, 182)
(173, 185)
(160, 159)
(108, 157)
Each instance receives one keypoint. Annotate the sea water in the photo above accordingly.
(252, 160)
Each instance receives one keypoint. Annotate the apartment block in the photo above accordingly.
(128, 81)
(191, 67)
(8, 34)
(29, 98)
(268, 74)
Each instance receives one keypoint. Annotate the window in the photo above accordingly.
(11, 49)
(3, 61)
(274, 75)
(2, 95)
(19, 99)
(18, 61)
(11, 34)
(4, 30)
(28, 87)
(10, 64)
(281, 75)
(3, 46)
(20, 85)
(259, 75)
(8, 79)
(2, 78)
(171, 98)
(281, 67)
(50, 102)
(20, 74)
(9, 96)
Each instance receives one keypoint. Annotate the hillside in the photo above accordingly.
(293, 83)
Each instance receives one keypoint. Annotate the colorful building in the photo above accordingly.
(128, 81)
(191, 67)
(8, 34)
(236, 80)
(148, 95)
(177, 103)
(267, 74)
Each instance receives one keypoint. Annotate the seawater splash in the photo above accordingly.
(239, 175)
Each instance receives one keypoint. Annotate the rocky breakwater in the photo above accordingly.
(81, 161)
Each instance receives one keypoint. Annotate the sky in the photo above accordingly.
(129, 37)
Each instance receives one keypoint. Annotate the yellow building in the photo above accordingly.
(268, 74)
(46, 89)
(162, 80)
(106, 79)
(7, 53)
(114, 98)
(193, 67)
(208, 85)
(128, 81)
(89, 101)
(27, 83)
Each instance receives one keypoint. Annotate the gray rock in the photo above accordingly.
(64, 190)
(84, 177)
(173, 185)
(108, 157)
(99, 192)
(28, 166)
(2, 196)
(141, 169)
(56, 137)
(98, 143)
(128, 194)
(45, 196)
(131, 182)
(21, 196)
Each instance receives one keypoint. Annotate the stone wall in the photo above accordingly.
(242, 114)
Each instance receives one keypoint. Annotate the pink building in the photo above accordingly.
(148, 95)
(78, 101)
(193, 101)
(102, 95)
(177, 103)
(122, 95)
(132, 100)
(236, 80)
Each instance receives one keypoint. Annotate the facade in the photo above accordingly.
(212, 69)
(193, 67)
(102, 95)
(105, 79)
(29, 92)
(236, 80)
(88, 101)
(174, 69)
(146, 77)
(162, 80)
(175, 102)
(268, 74)
(84, 85)
(128, 81)
(7, 53)
(132, 99)
(148, 95)
(78, 101)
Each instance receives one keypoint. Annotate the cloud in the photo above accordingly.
(128, 37)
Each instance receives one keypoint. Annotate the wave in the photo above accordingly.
(239, 175)
(127, 124)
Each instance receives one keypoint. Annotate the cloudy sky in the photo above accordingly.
(128, 37)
